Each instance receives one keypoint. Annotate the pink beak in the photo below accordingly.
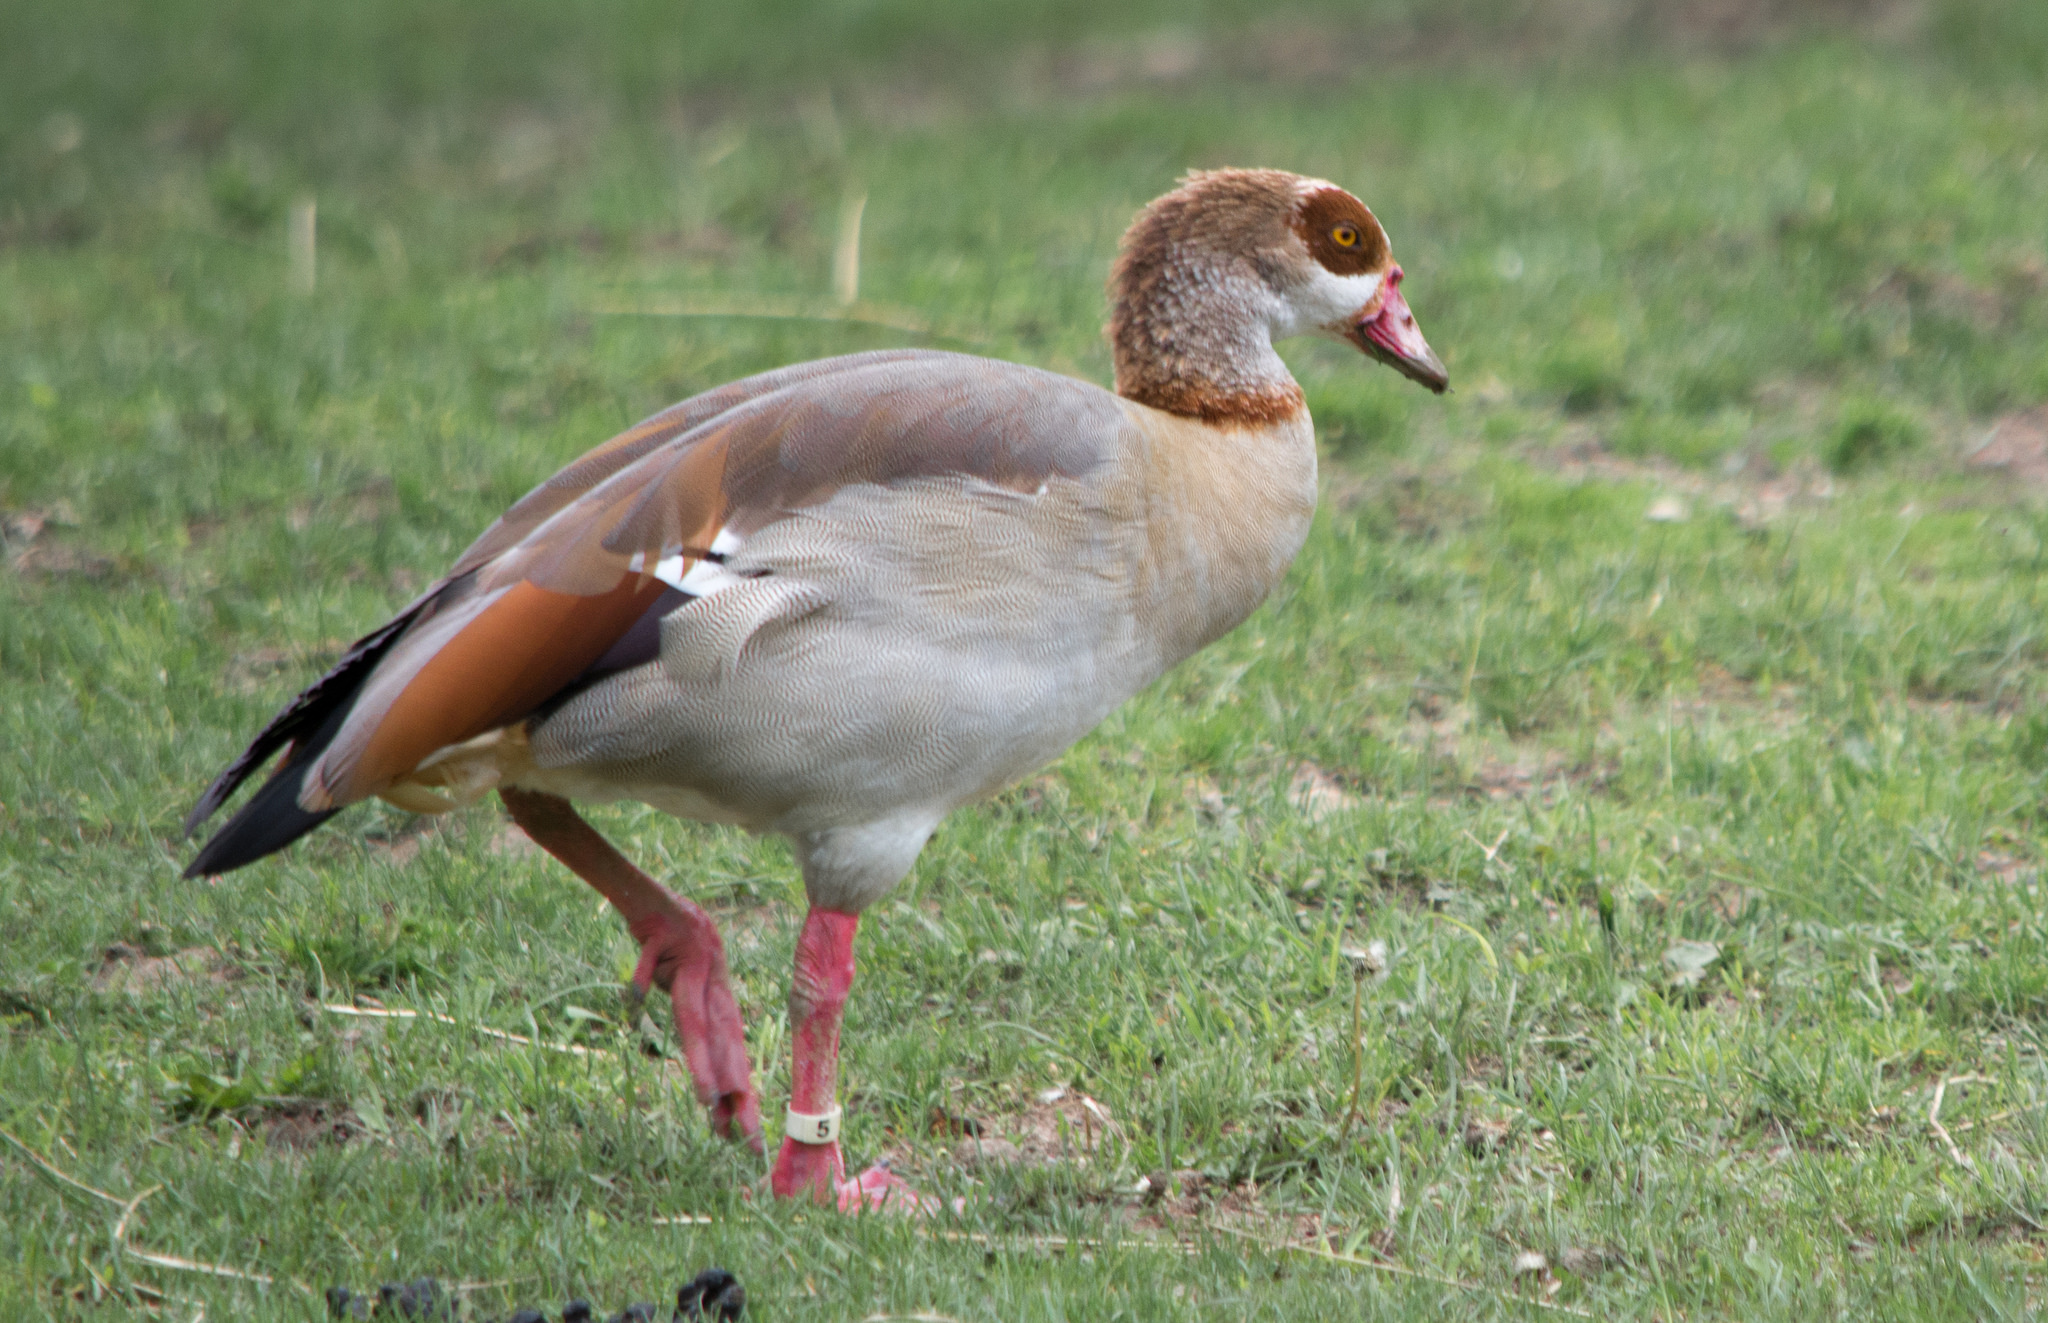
(1391, 336)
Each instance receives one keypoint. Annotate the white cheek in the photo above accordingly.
(1325, 301)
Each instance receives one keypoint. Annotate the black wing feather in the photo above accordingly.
(272, 819)
(306, 713)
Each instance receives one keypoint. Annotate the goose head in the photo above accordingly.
(1211, 274)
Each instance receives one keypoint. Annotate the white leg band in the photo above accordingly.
(806, 1128)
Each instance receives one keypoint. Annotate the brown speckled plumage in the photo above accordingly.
(1179, 296)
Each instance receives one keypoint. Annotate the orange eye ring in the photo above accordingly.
(1346, 236)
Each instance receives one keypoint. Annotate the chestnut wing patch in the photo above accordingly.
(478, 668)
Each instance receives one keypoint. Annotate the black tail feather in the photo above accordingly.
(273, 819)
(309, 711)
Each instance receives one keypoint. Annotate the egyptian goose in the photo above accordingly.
(839, 600)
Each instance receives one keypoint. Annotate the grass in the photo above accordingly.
(1705, 847)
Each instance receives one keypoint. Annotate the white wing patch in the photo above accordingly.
(702, 578)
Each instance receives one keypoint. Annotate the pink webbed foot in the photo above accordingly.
(681, 953)
(819, 1171)
(878, 1188)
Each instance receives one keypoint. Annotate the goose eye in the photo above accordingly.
(1346, 236)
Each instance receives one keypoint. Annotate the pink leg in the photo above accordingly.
(817, 998)
(679, 952)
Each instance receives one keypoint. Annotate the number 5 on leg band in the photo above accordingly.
(812, 1128)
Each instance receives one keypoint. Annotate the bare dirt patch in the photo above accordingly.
(2016, 446)
(1297, 50)
(509, 842)
(1910, 291)
(1061, 1125)
(1318, 794)
(1165, 1202)
(305, 1123)
(2006, 867)
(1757, 493)
(1515, 771)
(129, 969)
(1754, 491)
(401, 846)
(34, 548)
(1538, 772)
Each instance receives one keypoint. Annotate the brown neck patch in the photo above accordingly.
(1259, 406)
(1186, 323)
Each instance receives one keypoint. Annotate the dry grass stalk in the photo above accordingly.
(402, 1013)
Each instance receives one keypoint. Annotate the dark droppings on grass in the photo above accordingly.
(422, 1298)
(714, 1295)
